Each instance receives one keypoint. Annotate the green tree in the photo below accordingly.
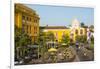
(50, 36)
(81, 38)
(82, 24)
(65, 39)
(92, 39)
(42, 44)
(21, 42)
(92, 42)
(92, 28)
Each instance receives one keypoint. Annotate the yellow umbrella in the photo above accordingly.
(52, 49)
(64, 44)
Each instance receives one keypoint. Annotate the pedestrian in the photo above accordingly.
(77, 45)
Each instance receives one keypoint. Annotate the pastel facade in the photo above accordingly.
(77, 30)
(72, 32)
(28, 20)
(58, 31)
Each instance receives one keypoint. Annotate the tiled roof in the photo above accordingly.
(53, 27)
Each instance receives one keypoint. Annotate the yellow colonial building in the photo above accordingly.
(72, 32)
(28, 20)
(58, 31)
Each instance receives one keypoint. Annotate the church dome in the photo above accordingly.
(75, 23)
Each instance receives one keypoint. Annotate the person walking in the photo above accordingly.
(77, 45)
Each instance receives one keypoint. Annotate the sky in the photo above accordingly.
(62, 15)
